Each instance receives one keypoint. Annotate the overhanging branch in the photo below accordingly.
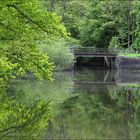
(27, 17)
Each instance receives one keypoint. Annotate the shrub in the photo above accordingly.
(59, 53)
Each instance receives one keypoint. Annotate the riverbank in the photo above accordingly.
(127, 62)
(130, 55)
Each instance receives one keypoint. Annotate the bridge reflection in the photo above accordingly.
(91, 79)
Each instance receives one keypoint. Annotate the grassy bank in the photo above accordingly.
(131, 55)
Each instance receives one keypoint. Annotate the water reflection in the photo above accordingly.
(87, 104)
(22, 121)
(103, 107)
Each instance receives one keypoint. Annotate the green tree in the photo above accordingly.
(73, 13)
(136, 17)
(23, 24)
(106, 19)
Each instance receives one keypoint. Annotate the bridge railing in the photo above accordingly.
(92, 50)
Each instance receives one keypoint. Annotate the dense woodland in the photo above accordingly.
(35, 37)
(100, 22)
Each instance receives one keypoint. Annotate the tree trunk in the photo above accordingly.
(63, 9)
(130, 23)
(52, 4)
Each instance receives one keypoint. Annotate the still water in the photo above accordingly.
(82, 104)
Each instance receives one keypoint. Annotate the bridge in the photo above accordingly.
(93, 52)
(109, 55)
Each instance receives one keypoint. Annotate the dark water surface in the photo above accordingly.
(85, 104)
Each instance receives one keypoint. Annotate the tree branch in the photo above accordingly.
(27, 17)
(6, 39)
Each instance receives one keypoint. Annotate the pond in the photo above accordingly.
(81, 104)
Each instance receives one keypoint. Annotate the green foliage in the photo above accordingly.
(71, 25)
(114, 43)
(90, 33)
(101, 24)
(73, 13)
(22, 17)
(27, 58)
(98, 35)
(59, 53)
(95, 23)
(129, 55)
(22, 25)
(19, 120)
(6, 69)
(136, 8)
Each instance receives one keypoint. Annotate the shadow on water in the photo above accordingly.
(85, 104)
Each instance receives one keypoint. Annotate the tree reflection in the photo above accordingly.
(99, 114)
(20, 120)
